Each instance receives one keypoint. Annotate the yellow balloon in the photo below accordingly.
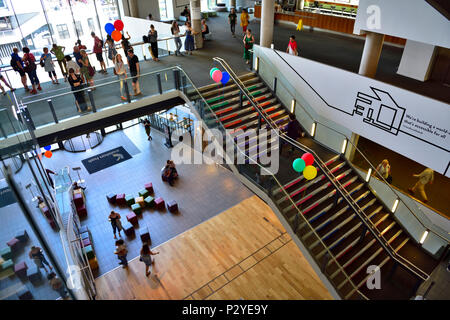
(310, 172)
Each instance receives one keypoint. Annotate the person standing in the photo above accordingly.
(49, 66)
(232, 17)
(148, 128)
(244, 20)
(189, 41)
(86, 68)
(2, 78)
(77, 86)
(146, 258)
(57, 284)
(98, 50)
(121, 73)
(133, 66)
(116, 224)
(153, 39)
(30, 69)
(175, 29)
(126, 43)
(205, 28)
(112, 52)
(292, 46)
(38, 257)
(58, 51)
(384, 169)
(18, 66)
(248, 41)
(425, 177)
(186, 13)
(121, 251)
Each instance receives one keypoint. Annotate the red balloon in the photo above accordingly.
(48, 154)
(308, 158)
(118, 24)
(116, 35)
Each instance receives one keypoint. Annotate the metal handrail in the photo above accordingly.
(279, 184)
(344, 193)
(363, 155)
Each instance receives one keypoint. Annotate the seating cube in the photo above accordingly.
(145, 235)
(129, 200)
(7, 264)
(149, 201)
(52, 223)
(136, 208)
(20, 269)
(139, 201)
(24, 294)
(83, 229)
(82, 212)
(128, 229)
(13, 244)
(111, 197)
(85, 242)
(89, 252)
(172, 206)
(93, 263)
(149, 187)
(132, 218)
(159, 203)
(22, 236)
(6, 253)
(144, 193)
(84, 235)
(34, 274)
(78, 199)
(120, 199)
(46, 212)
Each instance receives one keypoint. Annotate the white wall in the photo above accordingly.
(417, 60)
(148, 6)
(408, 19)
(337, 95)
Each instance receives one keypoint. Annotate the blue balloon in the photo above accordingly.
(225, 77)
(47, 148)
(109, 28)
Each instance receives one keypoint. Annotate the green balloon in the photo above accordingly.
(212, 71)
(299, 164)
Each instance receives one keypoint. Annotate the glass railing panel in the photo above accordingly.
(167, 80)
(329, 137)
(9, 124)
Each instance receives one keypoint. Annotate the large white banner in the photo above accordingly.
(408, 123)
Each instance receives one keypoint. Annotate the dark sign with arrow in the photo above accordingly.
(106, 159)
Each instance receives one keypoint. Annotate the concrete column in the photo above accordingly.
(134, 9)
(232, 4)
(196, 17)
(371, 54)
(267, 21)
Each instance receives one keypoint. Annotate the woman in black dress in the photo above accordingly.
(76, 83)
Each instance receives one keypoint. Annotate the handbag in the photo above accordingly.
(42, 63)
(91, 71)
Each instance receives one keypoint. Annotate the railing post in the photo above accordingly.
(2, 131)
(176, 79)
(275, 85)
(296, 222)
(52, 109)
(158, 80)
(127, 91)
(363, 234)
(183, 83)
(26, 116)
(91, 99)
(326, 258)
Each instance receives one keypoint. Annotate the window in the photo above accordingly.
(91, 24)
(63, 31)
(162, 9)
(79, 28)
(2, 4)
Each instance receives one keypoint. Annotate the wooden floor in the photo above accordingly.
(243, 252)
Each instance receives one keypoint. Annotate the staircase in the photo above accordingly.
(340, 229)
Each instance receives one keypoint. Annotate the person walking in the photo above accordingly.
(77, 86)
(98, 50)
(244, 20)
(121, 251)
(116, 224)
(189, 41)
(293, 131)
(146, 258)
(38, 257)
(148, 128)
(57, 284)
(30, 68)
(2, 78)
(248, 41)
(86, 69)
(58, 51)
(425, 177)
(292, 46)
(121, 73)
(126, 43)
(112, 52)
(133, 66)
(175, 29)
(153, 39)
(384, 169)
(18, 66)
(232, 18)
(49, 67)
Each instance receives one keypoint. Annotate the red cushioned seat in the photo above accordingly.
(82, 212)
(120, 199)
(78, 199)
(149, 187)
(132, 218)
(13, 244)
(20, 269)
(159, 203)
(172, 206)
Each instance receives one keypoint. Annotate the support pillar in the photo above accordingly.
(267, 21)
(232, 4)
(133, 7)
(196, 18)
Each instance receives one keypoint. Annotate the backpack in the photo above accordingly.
(145, 39)
(13, 64)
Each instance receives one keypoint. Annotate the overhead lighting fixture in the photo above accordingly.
(394, 207)
(313, 129)
(369, 173)
(424, 236)
(344, 145)
(271, 46)
(256, 63)
(292, 105)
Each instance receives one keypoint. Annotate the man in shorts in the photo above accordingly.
(98, 50)
(17, 64)
(133, 65)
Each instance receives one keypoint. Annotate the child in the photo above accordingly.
(121, 251)
(57, 284)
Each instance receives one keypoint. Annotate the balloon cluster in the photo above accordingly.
(304, 164)
(114, 29)
(47, 153)
(219, 76)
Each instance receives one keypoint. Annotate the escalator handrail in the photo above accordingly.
(369, 224)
